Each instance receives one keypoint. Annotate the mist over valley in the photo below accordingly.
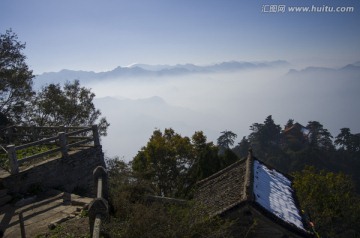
(140, 98)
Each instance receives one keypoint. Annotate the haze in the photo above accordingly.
(99, 36)
(215, 102)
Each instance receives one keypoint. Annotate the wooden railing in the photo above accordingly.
(66, 138)
(99, 208)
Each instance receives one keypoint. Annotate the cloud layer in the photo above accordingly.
(213, 101)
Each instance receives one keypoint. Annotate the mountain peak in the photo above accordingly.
(146, 70)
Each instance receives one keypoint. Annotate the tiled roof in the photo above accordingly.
(250, 181)
(274, 193)
(222, 190)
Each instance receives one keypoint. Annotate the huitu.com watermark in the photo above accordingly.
(273, 8)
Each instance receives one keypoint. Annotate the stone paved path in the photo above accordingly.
(39, 212)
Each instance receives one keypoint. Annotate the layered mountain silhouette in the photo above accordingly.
(349, 67)
(144, 70)
(140, 98)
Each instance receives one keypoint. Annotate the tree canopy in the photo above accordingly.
(348, 141)
(319, 136)
(54, 105)
(206, 159)
(15, 77)
(70, 105)
(265, 137)
(164, 160)
(172, 164)
(226, 140)
(330, 201)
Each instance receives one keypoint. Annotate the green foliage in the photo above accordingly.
(228, 158)
(15, 77)
(62, 231)
(265, 138)
(174, 163)
(134, 216)
(125, 187)
(33, 150)
(70, 105)
(84, 213)
(242, 149)
(206, 158)
(330, 200)
(169, 165)
(319, 136)
(165, 161)
(4, 121)
(226, 140)
(349, 142)
(157, 220)
(23, 153)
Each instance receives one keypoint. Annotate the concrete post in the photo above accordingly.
(96, 135)
(63, 144)
(14, 165)
(100, 182)
(99, 207)
(97, 227)
(98, 210)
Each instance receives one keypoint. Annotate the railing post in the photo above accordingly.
(63, 144)
(100, 182)
(14, 165)
(96, 135)
(97, 226)
(34, 135)
(61, 129)
(10, 134)
(98, 210)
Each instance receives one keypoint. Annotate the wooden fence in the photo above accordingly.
(63, 138)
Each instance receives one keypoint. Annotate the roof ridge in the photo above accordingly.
(248, 182)
(220, 172)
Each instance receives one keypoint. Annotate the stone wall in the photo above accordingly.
(72, 174)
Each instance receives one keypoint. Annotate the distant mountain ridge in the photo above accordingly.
(223, 66)
(312, 69)
(144, 70)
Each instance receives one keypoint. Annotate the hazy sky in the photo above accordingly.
(101, 35)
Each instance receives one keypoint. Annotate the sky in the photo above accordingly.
(96, 35)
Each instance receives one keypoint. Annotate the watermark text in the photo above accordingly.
(277, 8)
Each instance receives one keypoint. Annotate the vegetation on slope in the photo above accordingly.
(170, 165)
